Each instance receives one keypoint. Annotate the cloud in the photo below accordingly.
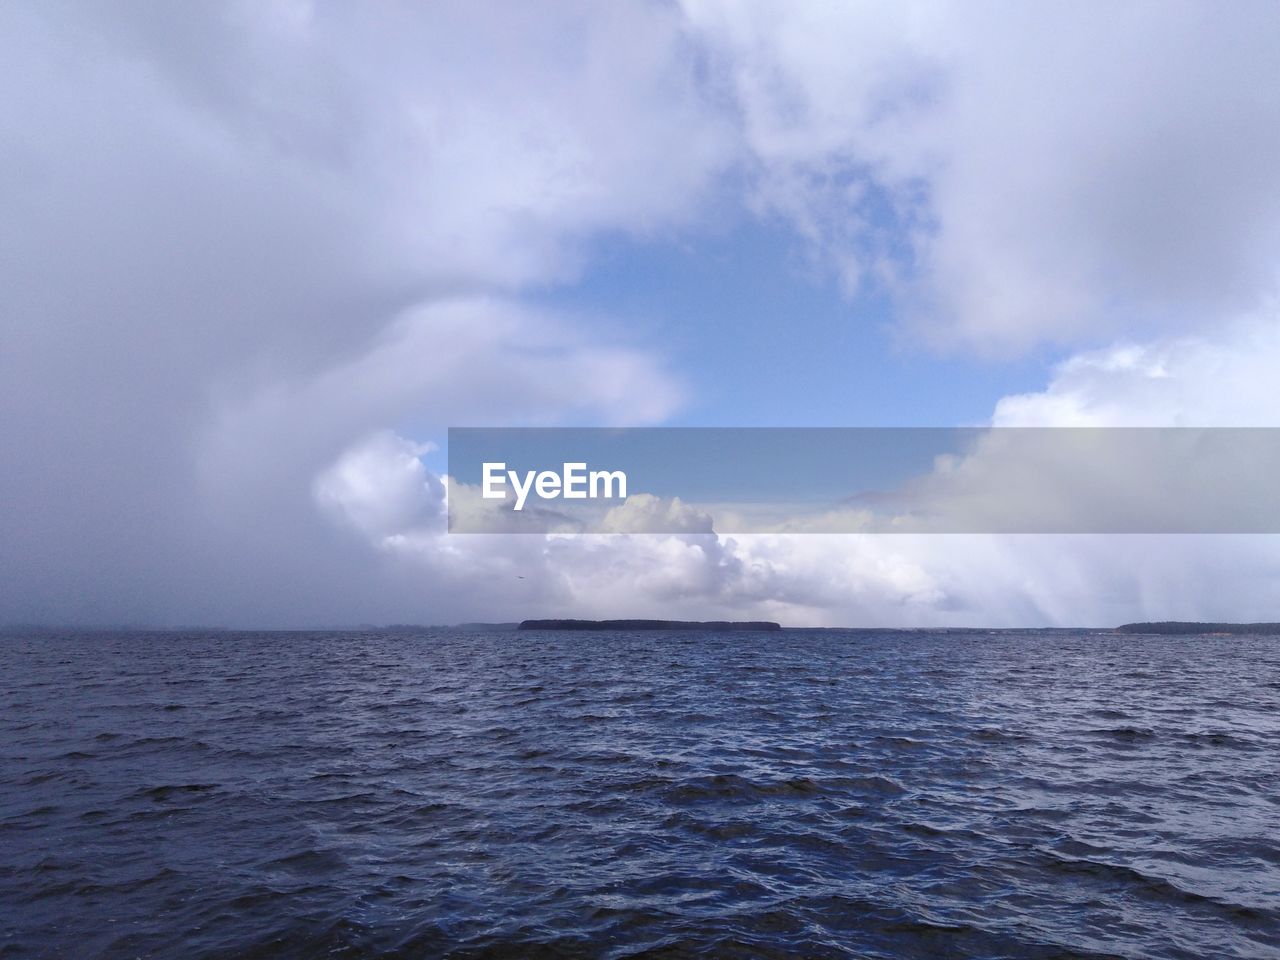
(250, 248)
(644, 511)
(380, 488)
(1015, 174)
(244, 237)
(1222, 379)
(922, 580)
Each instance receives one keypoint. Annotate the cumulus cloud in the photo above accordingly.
(242, 237)
(832, 579)
(380, 488)
(644, 511)
(1224, 378)
(1017, 173)
(1010, 178)
(249, 248)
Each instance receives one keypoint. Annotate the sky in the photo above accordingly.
(257, 257)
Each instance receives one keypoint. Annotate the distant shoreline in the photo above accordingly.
(1148, 628)
(1201, 628)
(697, 626)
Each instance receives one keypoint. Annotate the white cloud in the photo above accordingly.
(243, 237)
(380, 488)
(913, 579)
(644, 511)
(241, 240)
(1019, 172)
(1222, 379)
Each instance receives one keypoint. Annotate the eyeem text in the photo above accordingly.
(575, 482)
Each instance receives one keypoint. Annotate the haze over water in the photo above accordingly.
(581, 795)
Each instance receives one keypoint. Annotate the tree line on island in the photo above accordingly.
(702, 626)
(1167, 627)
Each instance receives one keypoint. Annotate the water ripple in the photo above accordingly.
(656, 795)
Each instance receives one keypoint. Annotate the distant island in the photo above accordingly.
(699, 626)
(1190, 626)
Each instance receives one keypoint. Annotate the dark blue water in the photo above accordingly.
(658, 795)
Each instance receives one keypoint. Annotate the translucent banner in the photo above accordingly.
(865, 480)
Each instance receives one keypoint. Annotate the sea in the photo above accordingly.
(449, 793)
